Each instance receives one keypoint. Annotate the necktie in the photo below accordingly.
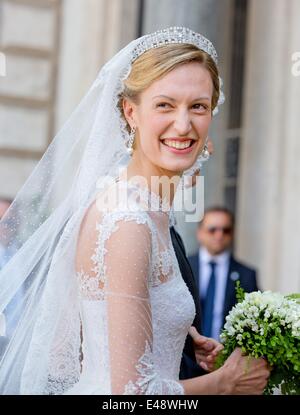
(209, 302)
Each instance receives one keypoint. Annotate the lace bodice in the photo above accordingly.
(135, 308)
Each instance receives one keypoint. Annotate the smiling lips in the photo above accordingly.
(180, 145)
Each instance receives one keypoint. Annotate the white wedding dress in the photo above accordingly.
(135, 308)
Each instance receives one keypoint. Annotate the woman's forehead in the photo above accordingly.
(191, 78)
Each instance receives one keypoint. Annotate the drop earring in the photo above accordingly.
(131, 141)
(205, 153)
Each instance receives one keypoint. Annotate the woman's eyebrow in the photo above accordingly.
(173, 99)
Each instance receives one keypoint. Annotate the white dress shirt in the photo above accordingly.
(221, 272)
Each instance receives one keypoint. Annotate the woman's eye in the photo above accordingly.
(199, 106)
(163, 105)
(166, 105)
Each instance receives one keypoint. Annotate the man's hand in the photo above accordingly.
(206, 350)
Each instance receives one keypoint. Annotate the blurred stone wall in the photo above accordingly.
(269, 177)
(54, 50)
(29, 38)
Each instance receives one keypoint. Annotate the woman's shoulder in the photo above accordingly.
(120, 206)
(112, 229)
(108, 215)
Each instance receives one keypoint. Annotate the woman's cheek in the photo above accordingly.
(160, 121)
(202, 128)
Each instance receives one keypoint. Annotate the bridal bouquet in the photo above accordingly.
(267, 324)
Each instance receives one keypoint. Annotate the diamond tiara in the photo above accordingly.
(175, 34)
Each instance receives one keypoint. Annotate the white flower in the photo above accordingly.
(262, 315)
(259, 307)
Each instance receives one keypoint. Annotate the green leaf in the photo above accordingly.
(239, 291)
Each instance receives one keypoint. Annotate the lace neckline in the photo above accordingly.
(148, 199)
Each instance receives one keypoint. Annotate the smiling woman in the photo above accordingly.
(105, 309)
(168, 101)
(170, 119)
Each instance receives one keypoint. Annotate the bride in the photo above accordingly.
(105, 309)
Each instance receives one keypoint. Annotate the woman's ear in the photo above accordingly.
(129, 109)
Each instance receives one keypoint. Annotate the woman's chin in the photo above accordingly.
(169, 167)
(178, 168)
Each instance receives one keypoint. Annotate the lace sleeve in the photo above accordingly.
(116, 264)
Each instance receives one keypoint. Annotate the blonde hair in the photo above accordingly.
(157, 62)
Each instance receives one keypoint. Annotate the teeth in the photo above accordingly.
(178, 144)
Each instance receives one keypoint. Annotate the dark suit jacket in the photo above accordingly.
(189, 367)
(237, 270)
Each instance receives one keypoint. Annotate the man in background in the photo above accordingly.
(216, 270)
(199, 352)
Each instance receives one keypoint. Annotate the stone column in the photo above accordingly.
(29, 40)
(269, 197)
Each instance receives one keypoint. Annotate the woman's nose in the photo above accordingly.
(182, 122)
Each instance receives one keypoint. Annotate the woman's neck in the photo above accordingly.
(162, 182)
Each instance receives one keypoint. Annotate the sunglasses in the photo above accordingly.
(226, 230)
